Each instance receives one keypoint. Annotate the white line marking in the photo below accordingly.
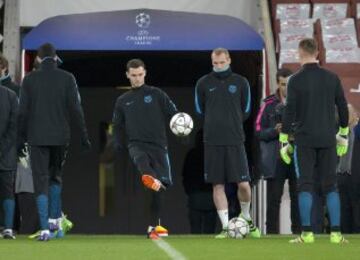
(169, 250)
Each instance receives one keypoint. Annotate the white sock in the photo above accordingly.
(245, 209)
(224, 217)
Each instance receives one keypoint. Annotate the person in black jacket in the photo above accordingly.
(8, 158)
(313, 94)
(224, 98)
(5, 77)
(49, 99)
(142, 113)
(202, 211)
(348, 185)
(25, 216)
(274, 170)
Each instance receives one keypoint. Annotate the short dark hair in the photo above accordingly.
(309, 45)
(46, 50)
(4, 63)
(220, 50)
(134, 64)
(284, 72)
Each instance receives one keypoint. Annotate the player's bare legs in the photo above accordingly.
(244, 196)
(221, 205)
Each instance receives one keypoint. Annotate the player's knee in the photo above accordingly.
(218, 188)
(57, 180)
(244, 186)
(8, 196)
(329, 187)
(305, 187)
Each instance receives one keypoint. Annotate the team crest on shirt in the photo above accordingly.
(148, 99)
(232, 89)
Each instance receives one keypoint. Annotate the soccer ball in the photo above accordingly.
(238, 228)
(181, 124)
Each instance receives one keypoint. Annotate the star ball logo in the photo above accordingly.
(143, 36)
(143, 20)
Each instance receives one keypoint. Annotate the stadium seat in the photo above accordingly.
(292, 11)
(338, 38)
(331, 9)
(274, 4)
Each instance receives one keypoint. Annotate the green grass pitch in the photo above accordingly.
(191, 247)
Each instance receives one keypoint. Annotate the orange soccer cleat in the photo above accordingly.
(161, 231)
(151, 233)
(151, 182)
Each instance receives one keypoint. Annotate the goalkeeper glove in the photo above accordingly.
(286, 148)
(342, 142)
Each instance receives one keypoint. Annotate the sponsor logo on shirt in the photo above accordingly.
(212, 89)
(129, 103)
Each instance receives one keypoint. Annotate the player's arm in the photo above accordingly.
(168, 105)
(118, 121)
(8, 139)
(263, 129)
(341, 104)
(343, 111)
(199, 98)
(288, 119)
(23, 113)
(246, 99)
(290, 108)
(74, 103)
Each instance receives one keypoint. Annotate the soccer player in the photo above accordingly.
(347, 181)
(49, 97)
(313, 93)
(5, 77)
(143, 114)
(268, 127)
(224, 98)
(8, 159)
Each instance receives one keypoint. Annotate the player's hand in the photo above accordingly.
(342, 142)
(278, 127)
(22, 151)
(151, 182)
(286, 148)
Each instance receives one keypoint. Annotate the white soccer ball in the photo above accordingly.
(238, 228)
(181, 124)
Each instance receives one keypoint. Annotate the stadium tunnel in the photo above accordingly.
(102, 193)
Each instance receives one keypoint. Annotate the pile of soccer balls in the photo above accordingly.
(238, 228)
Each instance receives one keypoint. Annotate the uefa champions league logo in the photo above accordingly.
(143, 35)
(142, 20)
